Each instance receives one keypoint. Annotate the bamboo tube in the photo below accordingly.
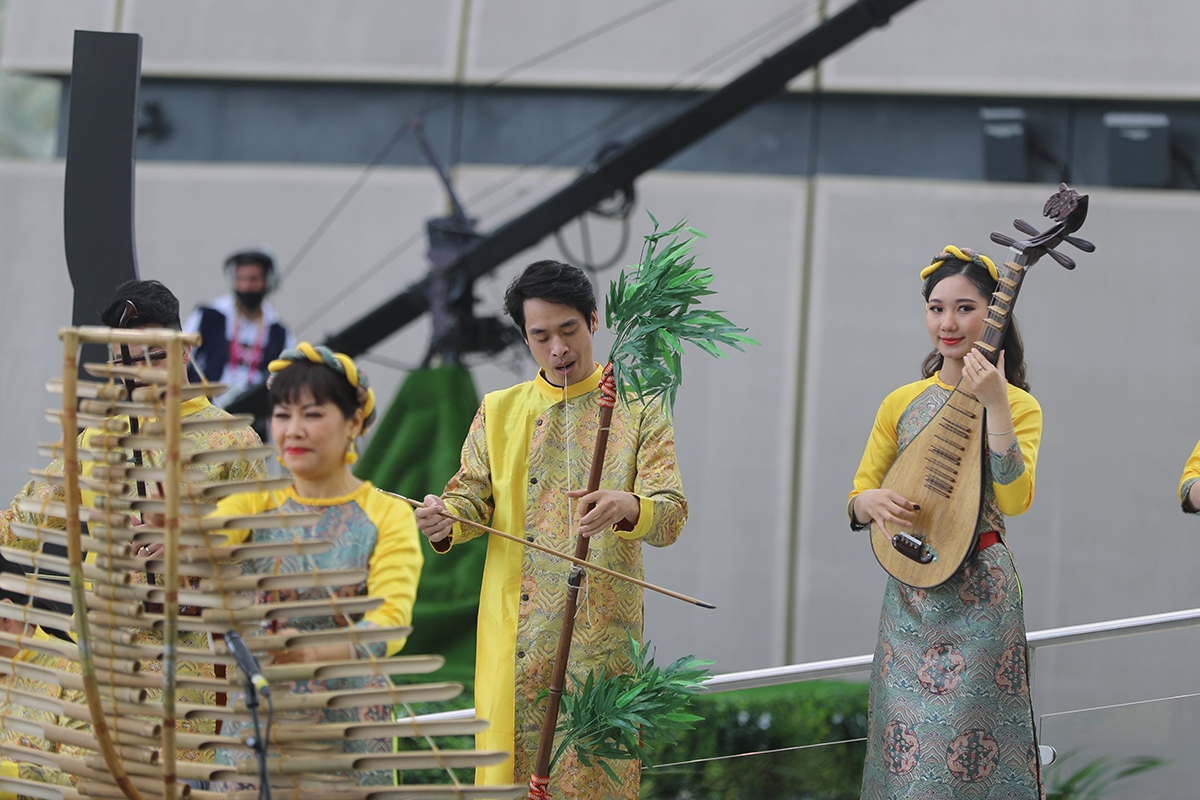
(113, 407)
(90, 390)
(23, 788)
(293, 609)
(189, 391)
(33, 558)
(356, 698)
(344, 762)
(173, 465)
(155, 565)
(98, 334)
(104, 486)
(130, 472)
(293, 580)
(142, 374)
(107, 457)
(218, 489)
(100, 422)
(301, 639)
(188, 597)
(67, 680)
(62, 594)
(63, 708)
(77, 738)
(36, 616)
(225, 455)
(54, 647)
(188, 770)
(241, 552)
(44, 535)
(291, 734)
(152, 652)
(353, 668)
(156, 427)
(80, 768)
(154, 505)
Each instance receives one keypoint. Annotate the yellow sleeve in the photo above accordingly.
(394, 568)
(240, 505)
(1013, 477)
(469, 492)
(1191, 474)
(658, 485)
(883, 445)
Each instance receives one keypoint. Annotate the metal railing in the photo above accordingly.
(856, 665)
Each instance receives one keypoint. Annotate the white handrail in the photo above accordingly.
(841, 667)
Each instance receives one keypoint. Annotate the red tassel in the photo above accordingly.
(537, 788)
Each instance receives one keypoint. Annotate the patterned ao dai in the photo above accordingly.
(527, 446)
(370, 530)
(951, 714)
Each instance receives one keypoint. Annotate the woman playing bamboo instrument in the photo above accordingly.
(950, 708)
(321, 403)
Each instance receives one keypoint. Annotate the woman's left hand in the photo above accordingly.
(986, 381)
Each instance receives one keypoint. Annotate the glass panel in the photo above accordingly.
(1098, 744)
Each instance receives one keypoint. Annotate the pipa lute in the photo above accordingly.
(942, 468)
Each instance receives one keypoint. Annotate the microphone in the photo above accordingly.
(246, 661)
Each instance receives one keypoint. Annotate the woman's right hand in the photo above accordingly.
(884, 507)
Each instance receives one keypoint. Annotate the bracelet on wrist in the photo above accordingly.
(1001, 433)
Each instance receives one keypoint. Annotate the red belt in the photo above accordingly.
(986, 540)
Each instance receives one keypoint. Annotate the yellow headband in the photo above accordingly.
(338, 362)
(962, 254)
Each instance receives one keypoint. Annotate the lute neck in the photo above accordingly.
(1004, 300)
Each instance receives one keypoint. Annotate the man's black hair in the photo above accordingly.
(153, 305)
(554, 282)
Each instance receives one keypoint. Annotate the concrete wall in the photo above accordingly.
(1095, 48)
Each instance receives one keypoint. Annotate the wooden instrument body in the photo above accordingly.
(940, 470)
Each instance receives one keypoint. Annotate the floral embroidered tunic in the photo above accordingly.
(528, 446)
(370, 530)
(240, 437)
(9, 732)
(951, 713)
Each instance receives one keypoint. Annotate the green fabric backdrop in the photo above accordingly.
(414, 452)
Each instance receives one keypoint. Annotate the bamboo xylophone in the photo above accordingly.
(125, 660)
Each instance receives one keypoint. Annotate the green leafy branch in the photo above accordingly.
(1093, 779)
(652, 312)
(615, 718)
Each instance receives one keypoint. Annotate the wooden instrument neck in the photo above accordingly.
(1000, 310)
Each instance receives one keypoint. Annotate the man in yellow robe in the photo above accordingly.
(524, 469)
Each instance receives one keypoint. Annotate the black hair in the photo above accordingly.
(554, 282)
(981, 279)
(324, 383)
(11, 568)
(154, 305)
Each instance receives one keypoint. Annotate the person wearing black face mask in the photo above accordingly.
(242, 332)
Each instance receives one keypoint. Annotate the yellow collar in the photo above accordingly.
(358, 493)
(196, 404)
(552, 392)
